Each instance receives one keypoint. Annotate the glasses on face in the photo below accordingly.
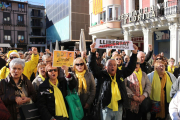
(138, 63)
(13, 57)
(171, 61)
(55, 70)
(158, 58)
(79, 64)
(118, 58)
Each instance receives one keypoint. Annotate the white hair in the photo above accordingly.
(17, 61)
(45, 57)
(14, 53)
(107, 63)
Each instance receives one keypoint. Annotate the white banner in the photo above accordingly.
(114, 44)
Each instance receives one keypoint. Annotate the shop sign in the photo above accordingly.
(142, 14)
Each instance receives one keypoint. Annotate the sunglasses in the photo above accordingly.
(55, 70)
(158, 58)
(118, 59)
(13, 57)
(81, 64)
(138, 63)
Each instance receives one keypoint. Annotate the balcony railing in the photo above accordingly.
(37, 34)
(21, 41)
(36, 15)
(36, 24)
(20, 22)
(7, 22)
(173, 7)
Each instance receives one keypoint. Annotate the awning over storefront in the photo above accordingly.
(5, 45)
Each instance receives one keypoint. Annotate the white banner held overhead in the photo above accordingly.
(114, 44)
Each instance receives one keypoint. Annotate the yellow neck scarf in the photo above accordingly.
(157, 92)
(116, 95)
(120, 67)
(171, 70)
(139, 77)
(60, 106)
(42, 77)
(81, 81)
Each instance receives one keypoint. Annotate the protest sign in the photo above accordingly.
(61, 58)
(114, 44)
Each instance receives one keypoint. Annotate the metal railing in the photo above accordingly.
(36, 24)
(20, 22)
(36, 15)
(6, 22)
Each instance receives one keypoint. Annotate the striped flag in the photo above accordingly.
(97, 6)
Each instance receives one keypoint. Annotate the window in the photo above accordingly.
(19, 5)
(110, 13)
(6, 16)
(117, 13)
(22, 6)
(7, 35)
(20, 18)
(21, 36)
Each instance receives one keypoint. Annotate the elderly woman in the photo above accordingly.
(16, 89)
(171, 66)
(161, 82)
(52, 91)
(86, 85)
(29, 66)
(138, 88)
(119, 61)
(41, 77)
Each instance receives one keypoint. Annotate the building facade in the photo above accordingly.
(14, 23)
(36, 27)
(65, 19)
(144, 22)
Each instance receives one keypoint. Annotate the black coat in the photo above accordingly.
(46, 100)
(3, 63)
(105, 80)
(146, 67)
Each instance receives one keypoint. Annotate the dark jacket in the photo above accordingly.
(46, 100)
(3, 63)
(105, 80)
(8, 96)
(177, 72)
(146, 67)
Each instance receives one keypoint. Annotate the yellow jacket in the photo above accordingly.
(28, 69)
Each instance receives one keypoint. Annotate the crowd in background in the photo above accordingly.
(126, 87)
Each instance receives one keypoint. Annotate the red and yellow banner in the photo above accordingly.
(97, 6)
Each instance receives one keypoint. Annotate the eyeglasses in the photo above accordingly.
(158, 58)
(13, 57)
(81, 64)
(138, 63)
(118, 59)
(171, 61)
(55, 70)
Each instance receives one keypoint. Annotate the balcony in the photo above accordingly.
(37, 35)
(5, 22)
(36, 24)
(34, 15)
(20, 23)
(172, 8)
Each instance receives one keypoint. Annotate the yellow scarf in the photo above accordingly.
(116, 95)
(139, 77)
(81, 81)
(60, 106)
(157, 92)
(171, 70)
(42, 77)
(120, 67)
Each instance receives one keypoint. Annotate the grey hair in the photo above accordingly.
(107, 63)
(17, 61)
(45, 57)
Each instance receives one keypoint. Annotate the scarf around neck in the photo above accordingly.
(116, 95)
(171, 70)
(139, 77)
(82, 81)
(60, 107)
(43, 79)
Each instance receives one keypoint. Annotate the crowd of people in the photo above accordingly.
(126, 87)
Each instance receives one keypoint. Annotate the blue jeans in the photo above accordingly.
(108, 114)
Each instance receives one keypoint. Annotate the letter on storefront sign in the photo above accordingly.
(153, 14)
(146, 9)
(140, 11)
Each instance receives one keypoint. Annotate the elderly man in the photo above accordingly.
(126, 60)
(113, 93)
(145, 66)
